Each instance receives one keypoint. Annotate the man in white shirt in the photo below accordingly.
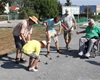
(68, 19)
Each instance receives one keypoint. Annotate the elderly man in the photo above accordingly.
(91, 32)
(22, 33)
(68, 19)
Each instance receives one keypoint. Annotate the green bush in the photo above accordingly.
(96, 17)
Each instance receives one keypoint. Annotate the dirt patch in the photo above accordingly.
(7, 41)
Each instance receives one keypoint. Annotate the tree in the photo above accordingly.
(3, 3)
(2, 8)
(68, 3)
(88, 11)
(60, 8)
(46, 8)
(40, 8)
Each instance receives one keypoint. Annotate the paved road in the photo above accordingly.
(10, 24)
(65, 67)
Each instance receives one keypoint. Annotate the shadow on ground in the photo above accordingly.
(93, 62)
(66, 52)
(9, 63)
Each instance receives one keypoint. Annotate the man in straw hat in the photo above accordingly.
(32, 48)
(22, 33)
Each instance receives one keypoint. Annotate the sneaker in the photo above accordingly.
(33, 69)
(87, 55)
(47, 55)
(80, 53)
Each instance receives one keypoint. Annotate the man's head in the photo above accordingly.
(67, 12)
(33, 20)
(91, 23)
(56, 19)
(43, 43)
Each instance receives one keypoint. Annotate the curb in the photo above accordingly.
(2, 22)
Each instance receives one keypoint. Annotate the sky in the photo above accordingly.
(83, 2)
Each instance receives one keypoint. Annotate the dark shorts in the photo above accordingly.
(67, 35)
(18, 42)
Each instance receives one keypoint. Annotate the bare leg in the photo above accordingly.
(22, 55)
(48, 44)
(48, 47)
(35, 63)
(30, 61)
(17, 52)
(57, 45)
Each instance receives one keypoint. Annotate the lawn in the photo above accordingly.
(7, 41)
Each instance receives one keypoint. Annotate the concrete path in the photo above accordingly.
(10, 24)
(65, 66)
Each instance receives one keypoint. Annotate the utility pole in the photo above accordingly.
(87, 12)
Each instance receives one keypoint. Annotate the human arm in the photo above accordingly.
(47, 29)
(84, 31)
(63, 25)
(59, 32)
(23, 38)
(75, 24)
(74, 21)
(28, 37)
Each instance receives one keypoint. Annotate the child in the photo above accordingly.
(32, 48)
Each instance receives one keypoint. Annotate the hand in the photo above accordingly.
(75, 27)
(77, 32)
(58, 33)
(46, 32)
(26, 42)
(69, 30)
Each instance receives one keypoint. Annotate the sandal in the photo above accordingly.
(17, 60)
(23, 60)
(59, 51)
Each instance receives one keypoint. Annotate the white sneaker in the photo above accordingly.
(87, 55)
(80, 53)
(33, 69)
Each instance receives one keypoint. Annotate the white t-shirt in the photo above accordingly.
(68, 20)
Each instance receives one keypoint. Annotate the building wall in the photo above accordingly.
(82, 8)
(98, 9)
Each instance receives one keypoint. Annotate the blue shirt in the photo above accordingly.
(52, 24)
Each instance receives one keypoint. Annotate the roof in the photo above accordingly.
(14, 8)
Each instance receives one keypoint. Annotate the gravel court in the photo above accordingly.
(65, 67)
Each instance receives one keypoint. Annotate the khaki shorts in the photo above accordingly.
(52, 35)
(33, 55)
(67, 35)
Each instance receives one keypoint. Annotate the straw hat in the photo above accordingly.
(33, 18)
(44, 42)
